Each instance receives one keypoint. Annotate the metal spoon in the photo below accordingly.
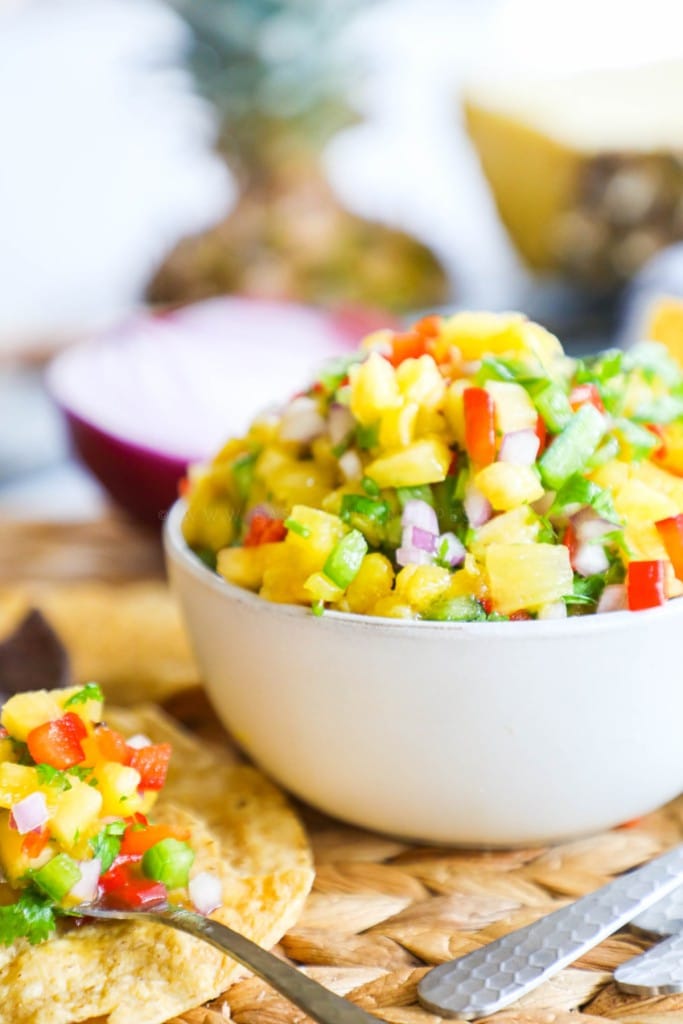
(318, 1002)
(659, 971)
(496, 975)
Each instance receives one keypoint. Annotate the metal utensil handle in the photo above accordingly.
(657, 972)
(318, 1002)
(665, 917)
(490, 978)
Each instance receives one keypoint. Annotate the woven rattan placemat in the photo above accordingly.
(383, 911)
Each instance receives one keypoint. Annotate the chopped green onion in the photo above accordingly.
(91, 691)
(553, 406)
(345, 559)
(296, 527)
(243, 474)
(58, 876)
(455, 609)
(376, 511)
(571, 449)
(169, 861)
(369, 486)
(318, 608)
(423, 492)
(367, 436)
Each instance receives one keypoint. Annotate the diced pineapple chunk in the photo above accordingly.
(672, 456)
(455, 409)
(661, 480)
(374, 389)
(479, 334)
(300, 483)
(507, 485)
(372, 582)
(77, 809)
(525, 576)
(319, 533)
(14, 860)
(243, 566)
(392, 607)
(644, 542)
(16, 782)
(420, 585)
(320, 588)
(514, 410)
(638, 503)
(612, 475)
(423, 462)
(26, 711)
(518, 526)
(7, 751)
(420, 381)
(89, 711)
(397, 426)
(119, 788)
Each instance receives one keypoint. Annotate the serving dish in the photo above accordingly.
(162, 390)
(478, 734)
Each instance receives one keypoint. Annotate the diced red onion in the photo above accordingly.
(206, 892)
(477, 507)
(30, 813)
(412, 556)
(589, 526)
(450, 550)
(139, 741)
(351, 465)
(612, 599)
(419, 513)
(416, 537)
(554, 610)
(301, 420)
(589, 559)
(85, 889)
(261, 510)
(340, 423)
(519, 447)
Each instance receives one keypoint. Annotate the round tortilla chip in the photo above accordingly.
(242, 829)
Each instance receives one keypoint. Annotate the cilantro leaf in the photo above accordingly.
(107, 843)
(90, 691)
(32, 917)
(577, 490)
(58, 778)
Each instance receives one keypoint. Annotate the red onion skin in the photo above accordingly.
(612, 599)
(412, 556)
(30, 813)
(205, 892)
(455, 550)
(418, 513)
(477, 507)
(519, 447)
(589, 559)
(416, 537)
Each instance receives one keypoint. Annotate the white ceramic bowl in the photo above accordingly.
(486, 734)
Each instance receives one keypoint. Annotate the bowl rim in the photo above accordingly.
(179, 551)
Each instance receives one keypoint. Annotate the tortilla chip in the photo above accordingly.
(242, 830)
(128, 637)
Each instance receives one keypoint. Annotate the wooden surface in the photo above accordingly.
(383, 911)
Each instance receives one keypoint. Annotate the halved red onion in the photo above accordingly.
(85, 889)
(30, 813)
(420, 513)
(206, 892)
(589, 559)
(407, 555)
(351, 465)
(554, 610)
(519, 447)
(450, 550)
(139, 741)
(477, 507)
(301, 421)
(613, 599)
(340, 423)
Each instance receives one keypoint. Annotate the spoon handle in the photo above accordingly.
(494, 976)
(318, 1002)
(657, 972)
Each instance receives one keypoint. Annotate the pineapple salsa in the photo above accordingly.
(466, 469)
(74, 798)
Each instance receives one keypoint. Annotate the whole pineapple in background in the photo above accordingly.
(267, 66)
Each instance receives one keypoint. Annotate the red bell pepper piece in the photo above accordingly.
(671, 534)
(411, 345)
(480, 426)
(35, 842)
(586, 394)
(138, 840)
(121, 872)
(428, 326)
(569, 541)
(264, 529)
(658, 431)
(111, 745)
(138, 893)
(58, 743)
(152, 763)
(541, 432)
(645, 584)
